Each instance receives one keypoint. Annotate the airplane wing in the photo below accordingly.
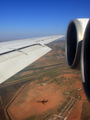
(16, 55)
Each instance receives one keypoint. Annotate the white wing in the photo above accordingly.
(16, 55)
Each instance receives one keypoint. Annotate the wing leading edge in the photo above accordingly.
(16, 55)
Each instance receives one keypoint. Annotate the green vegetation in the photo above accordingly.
(35, 73)
(47, 117)
(64, 104)
(59, 48)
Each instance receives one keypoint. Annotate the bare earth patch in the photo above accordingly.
(26, 105)
(76, 112)
(42, 59)
(50, 53)
(26, 73)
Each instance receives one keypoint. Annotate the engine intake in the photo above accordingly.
(74, 37)
(77, 50)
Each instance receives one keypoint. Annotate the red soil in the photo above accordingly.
(67, 75)
(42, 59)
(75, 114)
(78, 84)
(26, 106)
(59, 51)
(26, 73)
(50, 53)
(82, 94)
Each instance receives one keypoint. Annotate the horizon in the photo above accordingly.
(13, 39)
(22, 19)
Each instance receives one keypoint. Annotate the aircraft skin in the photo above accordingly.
(18, 54)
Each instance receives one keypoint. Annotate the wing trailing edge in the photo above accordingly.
(16, 55)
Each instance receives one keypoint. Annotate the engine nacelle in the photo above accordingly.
(74, 37)
(77, 50)
(85, 61)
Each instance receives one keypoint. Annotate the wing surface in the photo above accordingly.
(16, 55)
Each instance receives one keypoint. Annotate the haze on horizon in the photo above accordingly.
(37, 18)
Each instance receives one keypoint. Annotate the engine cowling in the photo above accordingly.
(85, 61)
(74, 37)
(77, 50)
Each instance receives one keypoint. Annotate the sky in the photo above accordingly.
(35, 18)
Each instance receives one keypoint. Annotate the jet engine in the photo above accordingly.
(77, 50)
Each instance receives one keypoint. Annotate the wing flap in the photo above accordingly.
(15, 61)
